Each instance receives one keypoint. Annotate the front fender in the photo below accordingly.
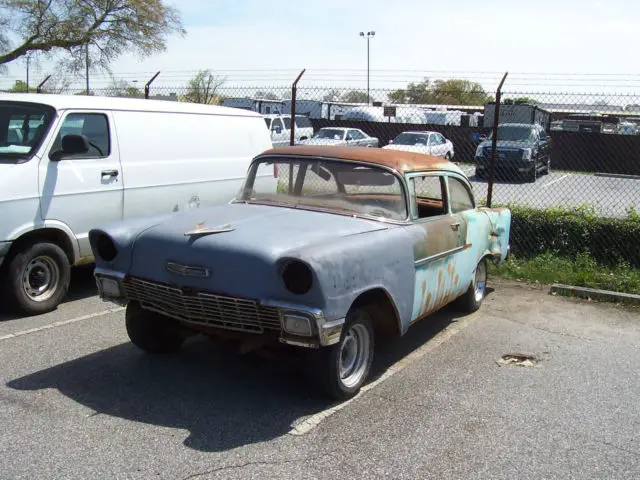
(347, 267)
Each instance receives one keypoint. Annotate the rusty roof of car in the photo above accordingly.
(402, 161)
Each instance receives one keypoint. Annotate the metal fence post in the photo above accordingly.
(494, 141)
(39, 89)
(147, 86)
(294, 89)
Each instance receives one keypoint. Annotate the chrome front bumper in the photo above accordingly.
(218, 311)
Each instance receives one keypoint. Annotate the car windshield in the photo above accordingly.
(22, 128)
(410, 139)
(513, 133)
(328, 185)
(333, 133)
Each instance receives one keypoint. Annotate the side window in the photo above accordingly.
(302, 122)
(428, 193)
(433, 140)
(459, 197)
(356, 135)
(276, 123)
(94, 126)
(287, 123)
(441, 139)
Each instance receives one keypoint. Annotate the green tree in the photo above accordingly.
(332, 95)
(20, 87)
(266, 95)
(112, 27)
(454, 91)
(122, 88)
(528, 100)
(203, 87)
(355, 96)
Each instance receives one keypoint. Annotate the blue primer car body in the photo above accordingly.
(415, 265)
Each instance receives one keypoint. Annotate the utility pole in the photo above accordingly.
(28, 59)
(368, 35)
(86, 62)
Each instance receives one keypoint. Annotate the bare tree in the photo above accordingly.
(111, 27)
(203, 87)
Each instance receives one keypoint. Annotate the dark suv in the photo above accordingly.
(523, 150)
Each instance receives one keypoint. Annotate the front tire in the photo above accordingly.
(152, 332)
(473, 297)
(38, 276)
(340, 370)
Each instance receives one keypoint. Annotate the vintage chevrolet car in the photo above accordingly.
(346, 245)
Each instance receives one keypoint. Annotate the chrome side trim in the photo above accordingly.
(440, 255)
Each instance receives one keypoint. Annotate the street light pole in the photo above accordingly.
(368, 35)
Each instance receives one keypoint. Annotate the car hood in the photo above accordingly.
(510, 144)
(242, 259)
(407, 148)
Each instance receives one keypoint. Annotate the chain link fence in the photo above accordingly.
(567, 164)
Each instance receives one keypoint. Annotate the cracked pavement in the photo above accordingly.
(78, 401)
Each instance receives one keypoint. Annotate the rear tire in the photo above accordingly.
(340, 370)
(152, 332)
(473, 297)
(38, 277)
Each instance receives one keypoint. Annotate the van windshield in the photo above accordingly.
(22, 128)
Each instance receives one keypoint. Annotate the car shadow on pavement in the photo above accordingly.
(82, 286)
(224, 400)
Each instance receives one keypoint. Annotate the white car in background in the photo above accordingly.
(429, 143)
(280, 128)
(353, 137)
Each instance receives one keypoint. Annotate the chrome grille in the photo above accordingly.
(203, 308)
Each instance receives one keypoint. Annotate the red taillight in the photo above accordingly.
(275, 170)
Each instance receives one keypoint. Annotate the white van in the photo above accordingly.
(70, 163)
(280, 127)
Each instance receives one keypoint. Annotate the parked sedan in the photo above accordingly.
(353, 137)
(429, 143)
(353, 244)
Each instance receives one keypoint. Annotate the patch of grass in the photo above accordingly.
(584, 271)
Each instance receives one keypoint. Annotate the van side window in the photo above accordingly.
(92, 125)
(429, 198)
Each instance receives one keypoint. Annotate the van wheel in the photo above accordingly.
(38, 277)
(152, 332)
(341, 369)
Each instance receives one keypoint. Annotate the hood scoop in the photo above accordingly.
(202, 230)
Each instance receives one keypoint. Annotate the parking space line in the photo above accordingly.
(313, 421)
(554, 181)
(60, 323)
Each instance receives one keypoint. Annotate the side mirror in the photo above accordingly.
(72, 144)
(390, 142)
(349, 138)
(482, 137)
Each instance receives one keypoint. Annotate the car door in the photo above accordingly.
(278, 132)
(85, 190)
(432, 146)
(438, 236)
(544, 146)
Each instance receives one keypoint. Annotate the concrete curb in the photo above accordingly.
(594, 294)
(618, 175)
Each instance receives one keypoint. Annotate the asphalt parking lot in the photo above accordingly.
(77, 400)
(610, 196)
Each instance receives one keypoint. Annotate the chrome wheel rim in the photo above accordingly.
(480, 281)
(40, 278)
(354, 355)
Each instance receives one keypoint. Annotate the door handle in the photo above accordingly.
(455, 226)
(110, 173)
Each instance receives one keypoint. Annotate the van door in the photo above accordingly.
(83, 190)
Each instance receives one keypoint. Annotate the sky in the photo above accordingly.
(546, 45)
